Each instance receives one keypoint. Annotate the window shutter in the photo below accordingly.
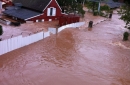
(54, 12)
(48, 11)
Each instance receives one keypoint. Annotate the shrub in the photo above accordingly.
(105, 8)
(1, 30)
(80, 10)
(101, 14)
(95, 13)
(125, 36)
(91, 4)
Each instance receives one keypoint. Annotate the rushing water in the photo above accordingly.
(72, 57)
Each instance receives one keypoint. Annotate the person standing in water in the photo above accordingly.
(110, 15)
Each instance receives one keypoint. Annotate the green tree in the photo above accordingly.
(71, 6)
(104, 10)
(125, 13)
(94, 5)
(80, 10)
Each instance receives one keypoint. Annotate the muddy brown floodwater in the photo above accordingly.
(73, 57)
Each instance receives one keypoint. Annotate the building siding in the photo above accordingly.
(44, 15)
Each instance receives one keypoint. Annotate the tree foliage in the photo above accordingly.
(94, 4)
(72, 6)
(104, 8)
(125, 13)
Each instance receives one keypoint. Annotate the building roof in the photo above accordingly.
(97, 0)
(21, 13)
(38, 5)
(113, 4)
(110, 3)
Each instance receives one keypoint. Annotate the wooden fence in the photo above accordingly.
(19, 41)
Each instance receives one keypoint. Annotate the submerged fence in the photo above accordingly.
(73, 25)
(19, 41)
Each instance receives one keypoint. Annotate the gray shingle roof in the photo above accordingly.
(38, 5)
(113, 4)
(21, 13)
(110, 3)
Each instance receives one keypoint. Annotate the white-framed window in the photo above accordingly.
(50, 19)
(51, 11)
(37, 20)
(42, 20)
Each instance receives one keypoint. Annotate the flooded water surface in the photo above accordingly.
(72, 57)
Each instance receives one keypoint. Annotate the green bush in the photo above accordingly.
(80, 10)
(105, 8)
(91, 4)
(95, 13)
(101, 14)
(125, 36)
(1, 30)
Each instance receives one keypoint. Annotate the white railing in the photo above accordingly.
(19, 41)
(73, 25)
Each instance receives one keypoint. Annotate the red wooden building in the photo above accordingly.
(34, 10)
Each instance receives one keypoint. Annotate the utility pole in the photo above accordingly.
(99, 6)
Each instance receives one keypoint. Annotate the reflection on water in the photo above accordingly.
(73, 57)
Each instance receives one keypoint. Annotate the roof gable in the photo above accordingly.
(38, 5)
